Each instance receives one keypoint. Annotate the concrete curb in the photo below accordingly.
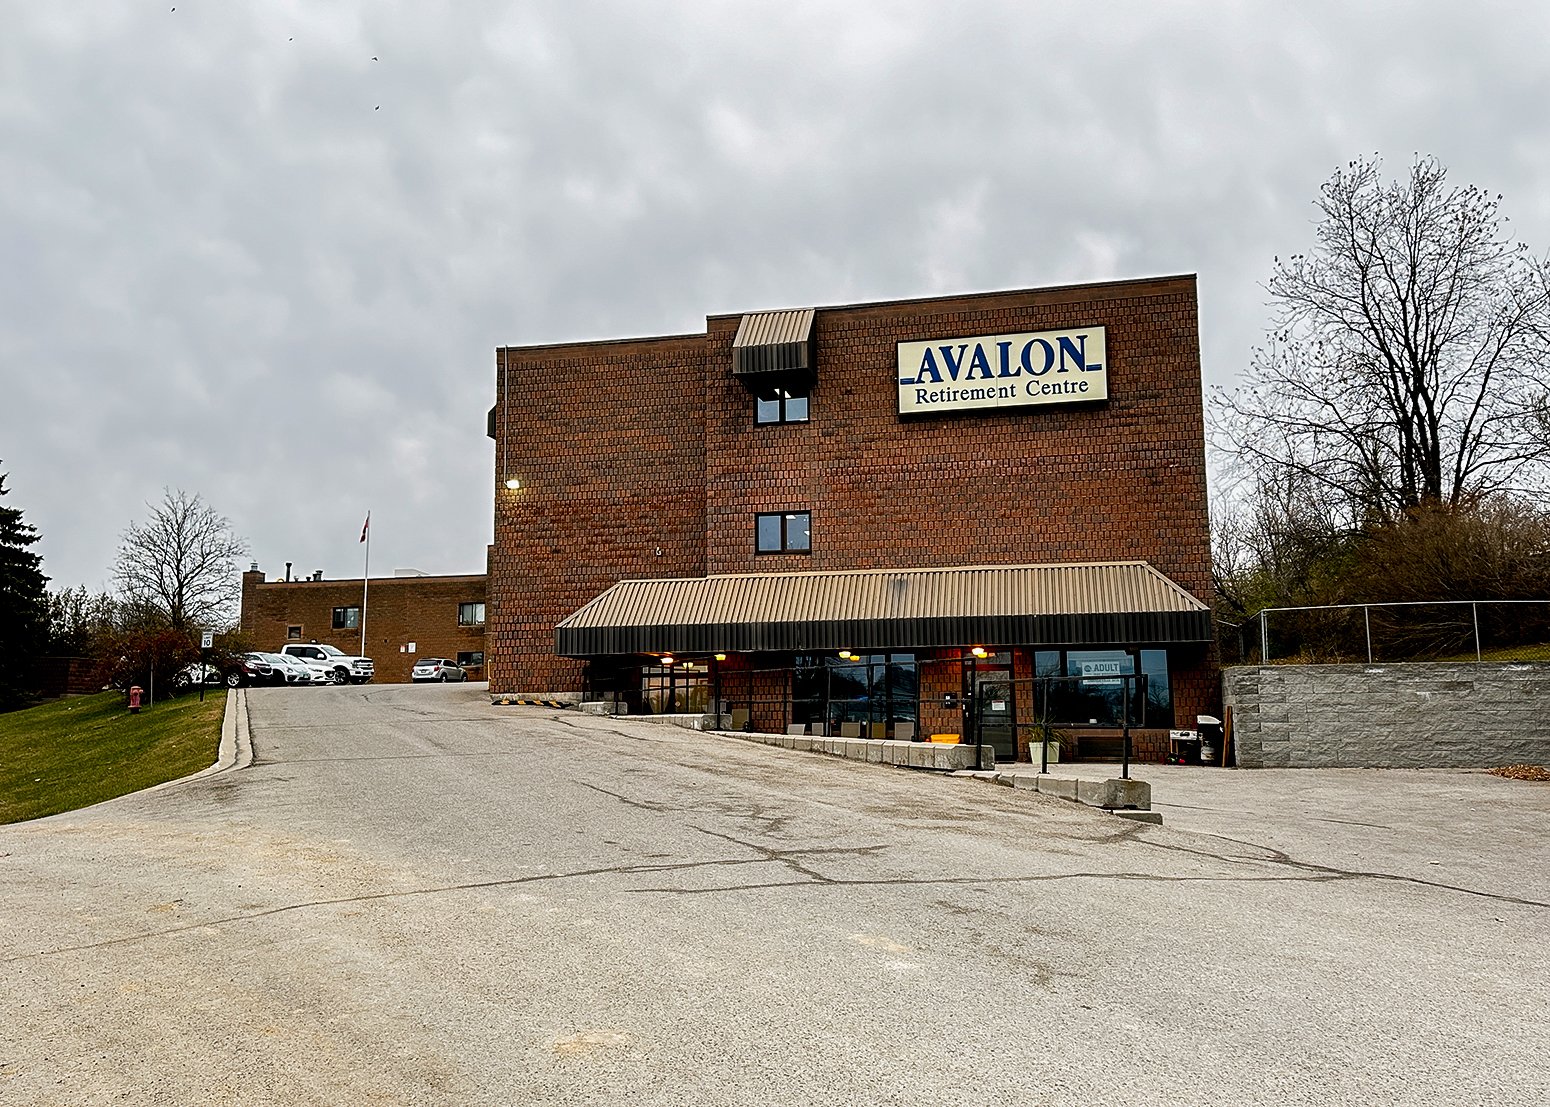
(1131, 799)
(236, 749)
(1128, 798)
(903, 755)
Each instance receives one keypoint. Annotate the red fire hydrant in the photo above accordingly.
(134, 700)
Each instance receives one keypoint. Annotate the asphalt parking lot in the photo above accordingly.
(414, 897)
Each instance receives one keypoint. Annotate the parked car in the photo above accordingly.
(344, 667)
(253, 669)
(295, 672)
(322, 672)
(191, 675)
(250, 669)
(436, 668)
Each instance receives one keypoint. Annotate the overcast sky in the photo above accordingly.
(263, 250)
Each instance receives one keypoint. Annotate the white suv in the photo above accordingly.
(345, 668)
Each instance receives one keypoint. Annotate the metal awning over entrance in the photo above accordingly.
(1100, 603)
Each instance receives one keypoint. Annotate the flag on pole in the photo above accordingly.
(364, 525)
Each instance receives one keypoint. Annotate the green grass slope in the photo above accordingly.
(85, 749)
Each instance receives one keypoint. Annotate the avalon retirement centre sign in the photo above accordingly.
(1003, 370)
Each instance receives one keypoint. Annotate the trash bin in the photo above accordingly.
(1210, 728)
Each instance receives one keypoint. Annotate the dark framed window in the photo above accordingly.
(783, 532)
(879, 688)
(347, 618)
(1087, 687)
(781, 405)
(471, 659)
(470, 614)
(293, 634)
(673, 691)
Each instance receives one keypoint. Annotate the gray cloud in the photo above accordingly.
(245, 259)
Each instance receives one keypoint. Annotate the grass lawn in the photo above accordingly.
(82, 750)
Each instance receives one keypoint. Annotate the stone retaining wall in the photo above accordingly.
(1415, 715)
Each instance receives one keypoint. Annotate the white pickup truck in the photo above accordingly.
(346, 668)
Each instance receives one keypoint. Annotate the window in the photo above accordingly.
(680, 690)
(347, 618)
(470, 614)
(1088, 688)
(471, 659)
(781, 405)
(875, 688)
(783, 532)
(293, 633)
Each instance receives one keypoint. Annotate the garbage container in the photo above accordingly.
(1210, 728)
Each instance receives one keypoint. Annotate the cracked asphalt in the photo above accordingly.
(413, 897)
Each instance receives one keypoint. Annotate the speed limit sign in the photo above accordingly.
(207, 639)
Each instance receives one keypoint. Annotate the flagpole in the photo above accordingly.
(365, 580)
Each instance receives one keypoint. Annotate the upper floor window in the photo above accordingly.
(347, 618)
(470, 614)
(783, 532)
(781, 405)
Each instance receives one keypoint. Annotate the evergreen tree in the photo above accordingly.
(23, 604)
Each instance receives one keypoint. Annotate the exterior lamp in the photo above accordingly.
(513, 483)
(667, 659)
(978, 651)
(721, 657)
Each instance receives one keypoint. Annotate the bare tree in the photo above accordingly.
(182, 563)
(1406, 367)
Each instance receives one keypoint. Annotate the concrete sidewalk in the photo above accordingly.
(1448, 825)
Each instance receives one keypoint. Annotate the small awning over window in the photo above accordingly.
(774, 346)
(1105, 603)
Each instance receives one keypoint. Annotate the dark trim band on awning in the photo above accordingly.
(774, 344)
(1088, 604)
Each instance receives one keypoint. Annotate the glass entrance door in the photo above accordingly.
(995, 712)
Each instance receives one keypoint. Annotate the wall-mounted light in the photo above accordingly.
(978, 651)
(721, 657)
(513, 483)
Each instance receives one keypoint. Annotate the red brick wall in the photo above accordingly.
(608, 441)
(629, 447)
(399, 610)
(1047, 484)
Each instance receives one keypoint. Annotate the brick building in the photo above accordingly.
(438, 616)
(850, 515)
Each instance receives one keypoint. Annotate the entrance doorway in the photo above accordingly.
(994, 705)
(680, 690)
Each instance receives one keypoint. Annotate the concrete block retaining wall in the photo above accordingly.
(1412, 716)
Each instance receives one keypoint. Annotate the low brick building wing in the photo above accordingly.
(1036, 429)
(434, 616)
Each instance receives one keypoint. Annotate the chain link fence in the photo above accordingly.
(1444, 630)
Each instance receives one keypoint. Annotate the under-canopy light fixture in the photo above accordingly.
(513, 483)
(721, 657)
(667, 659)
(978, 651)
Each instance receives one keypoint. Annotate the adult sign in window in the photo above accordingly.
(1003, 370)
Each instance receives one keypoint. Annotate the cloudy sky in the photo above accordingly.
(263, 250)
